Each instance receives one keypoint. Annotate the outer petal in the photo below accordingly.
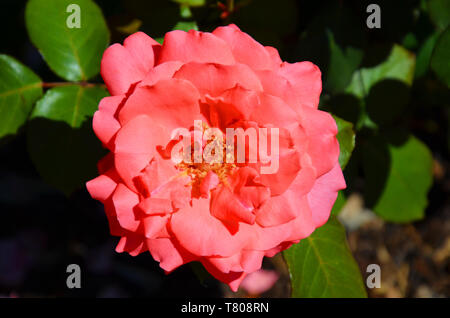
(194, 46)
(154, 225)
(281, 247)
(323, 146)
(260, 281)
(232, 279)
(168, 253)
(132, 243)
(124, 201)
(275, 56)
(324, 193)
(122, 66)
(104, 122)
(102, 187)
(297, 84)
(245, 49)
(106, 163)
(246, 261)
(135, 146)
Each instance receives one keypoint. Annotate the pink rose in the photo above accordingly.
(227, 216)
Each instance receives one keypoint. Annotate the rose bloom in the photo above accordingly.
(226, 216)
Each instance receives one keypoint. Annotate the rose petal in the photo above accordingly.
(102, 187)
(202, 234)
(124, 201)
(194, 46)
(260, 281)
(169, 103)
(245, 49)
(232, 279)
(168, 253)
(154, 224)
(131, 243)
(324, 193)
(104, 123)
(160, 72)
(297, 84)
(122, 66)
(213, 79)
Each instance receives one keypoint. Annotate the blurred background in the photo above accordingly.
(42, 230)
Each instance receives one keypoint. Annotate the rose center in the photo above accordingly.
(212, 158)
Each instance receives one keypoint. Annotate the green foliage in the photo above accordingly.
(399, 66)
(384, 88)
(19, 89)
(339, 204)
(61, 142)
(72, 53)
(191, 3)
(439, 12)
(398, 178)
(186, 26)
(346, 138)
(334, 40)
(424, 55)
(322, 265)
(440, 61)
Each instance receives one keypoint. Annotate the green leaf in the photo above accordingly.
(339, 204)
(72, 53)
(439, 11)
(398, 178)
(191, 3)
(410, 41)
(385, 88)
(185, 12)
(343, 62)
(346, 139)
(61, 142)
(323, 266)
(159, 40)
(398, 66)
(19, 89)
(424, 55)
(334, 41)
(440, 61)
(186, 26)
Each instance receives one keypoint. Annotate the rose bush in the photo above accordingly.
(226, 217)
